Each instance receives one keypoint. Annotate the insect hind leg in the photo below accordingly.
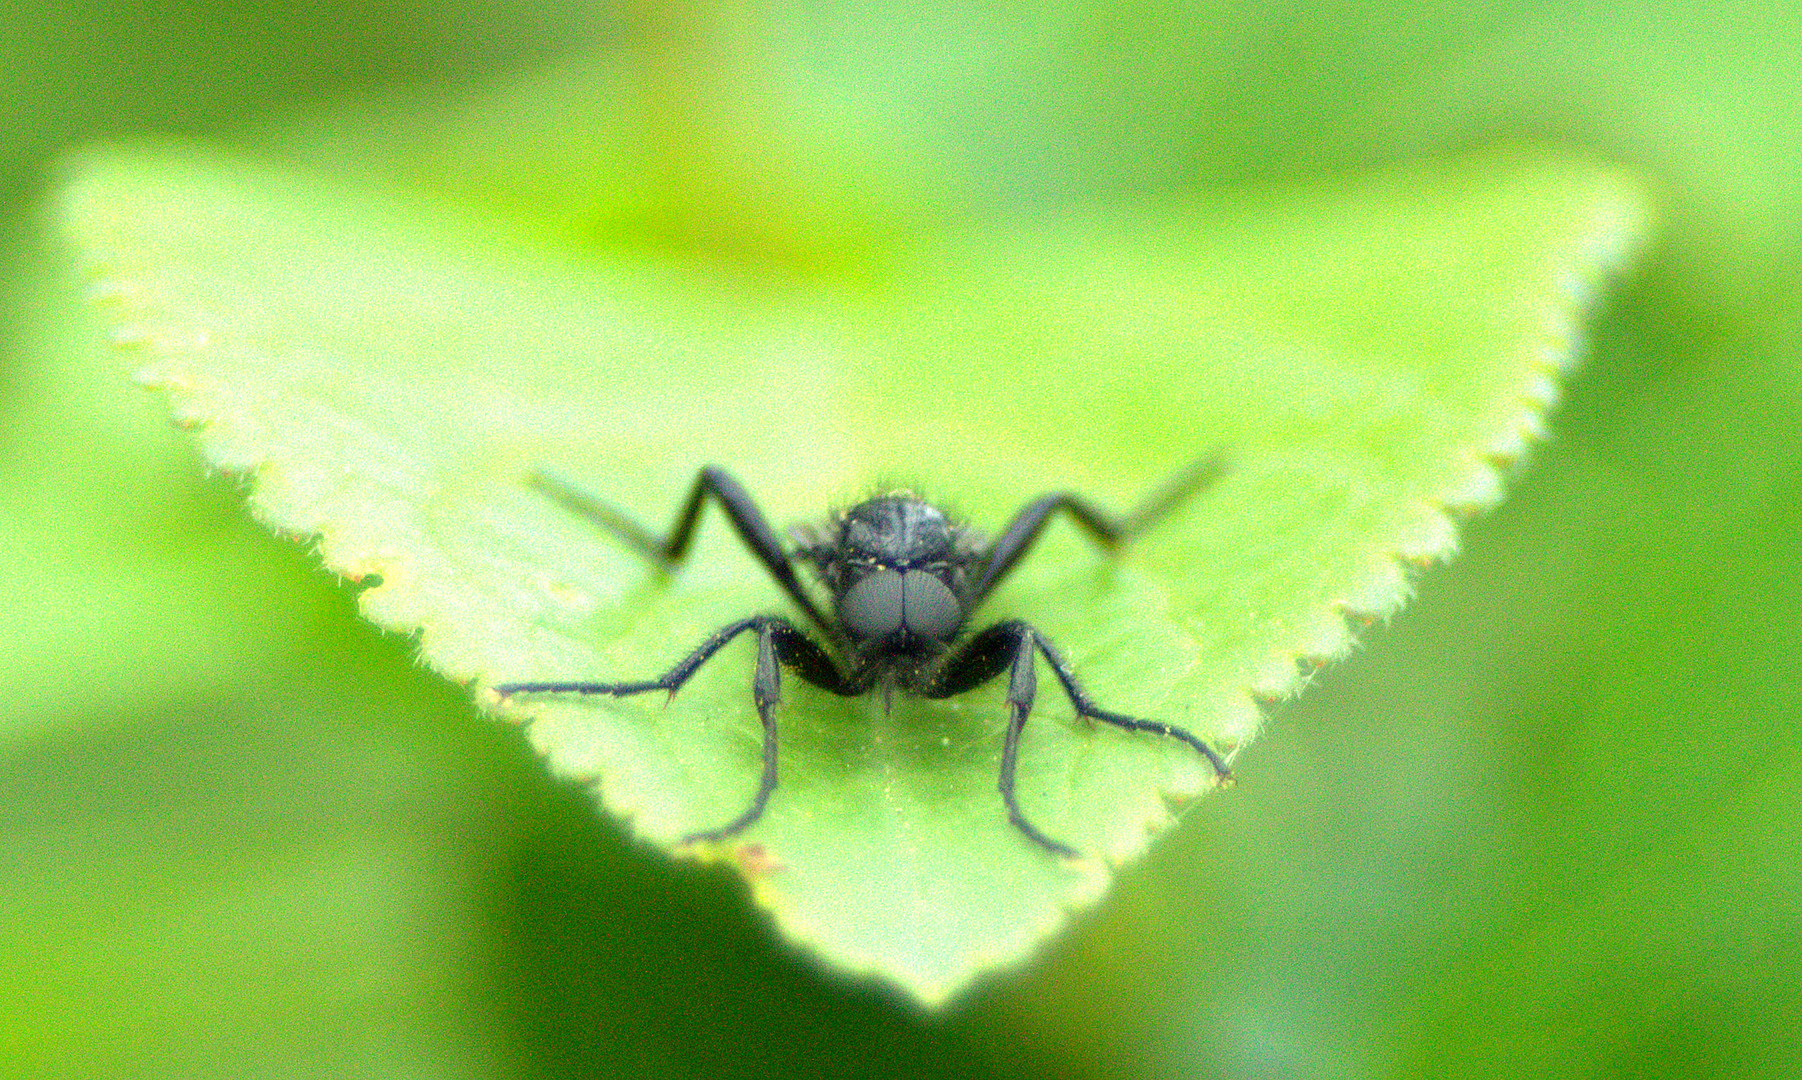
(667, 551)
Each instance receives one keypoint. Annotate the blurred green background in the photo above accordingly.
(1543, 825)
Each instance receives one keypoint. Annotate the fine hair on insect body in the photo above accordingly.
(904, 581)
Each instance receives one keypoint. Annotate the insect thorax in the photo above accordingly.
(896, 532)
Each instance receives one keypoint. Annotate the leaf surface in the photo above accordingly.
(389, 374)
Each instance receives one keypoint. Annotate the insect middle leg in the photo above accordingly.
(779, 643)
(1010, 646)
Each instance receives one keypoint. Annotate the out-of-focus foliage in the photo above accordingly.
(1543, 826)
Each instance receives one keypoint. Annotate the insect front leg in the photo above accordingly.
(779, 642)
(1022, 686)
(1011, 646)
(766, 694)
(1006, 646)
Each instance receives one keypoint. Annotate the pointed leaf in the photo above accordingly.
(389, 375)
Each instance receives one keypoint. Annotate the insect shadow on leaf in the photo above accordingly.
(904, 581)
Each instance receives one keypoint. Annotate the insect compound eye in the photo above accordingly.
(871, 609)
(931, 609)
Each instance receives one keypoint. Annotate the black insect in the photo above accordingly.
(904, 580)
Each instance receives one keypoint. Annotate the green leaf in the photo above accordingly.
(389, 375)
